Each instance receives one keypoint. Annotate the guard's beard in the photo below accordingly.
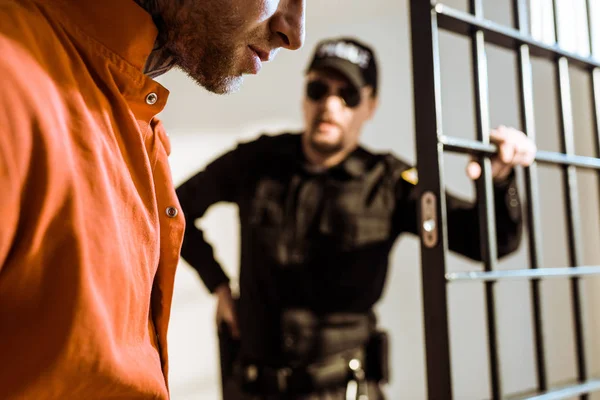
(323, 147)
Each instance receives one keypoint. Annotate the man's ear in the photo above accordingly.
(373, 104)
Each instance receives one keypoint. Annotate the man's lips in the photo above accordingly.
(262, 54)
(327, 123)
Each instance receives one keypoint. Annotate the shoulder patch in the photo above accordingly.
(410, 175)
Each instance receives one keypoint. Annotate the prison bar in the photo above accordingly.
(525, 72)
(428, 120)
(571, 199)
(595, 80)
(543, 157)
(562, 392)
(485, 200)
(523, 274)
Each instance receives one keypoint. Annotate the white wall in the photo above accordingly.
(202, 126)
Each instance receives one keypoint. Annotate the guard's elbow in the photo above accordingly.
(510, 245)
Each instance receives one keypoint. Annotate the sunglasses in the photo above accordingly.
(317, 90)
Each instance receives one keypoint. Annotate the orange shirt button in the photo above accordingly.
(151, 98)
(172, 212)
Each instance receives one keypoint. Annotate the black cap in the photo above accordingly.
(348, 56)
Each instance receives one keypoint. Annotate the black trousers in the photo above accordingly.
(232, 391)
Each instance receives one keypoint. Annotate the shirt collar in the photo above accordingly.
(355, 165)
(120, 25)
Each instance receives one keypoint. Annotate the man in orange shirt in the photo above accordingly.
(91, 227)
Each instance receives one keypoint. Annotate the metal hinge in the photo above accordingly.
(429, 224)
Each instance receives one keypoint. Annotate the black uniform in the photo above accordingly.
(318, 240)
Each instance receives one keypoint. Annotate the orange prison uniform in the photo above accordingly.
(90, 231)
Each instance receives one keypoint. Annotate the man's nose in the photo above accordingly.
(288, 23)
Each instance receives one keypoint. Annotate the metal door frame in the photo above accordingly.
(427, 19)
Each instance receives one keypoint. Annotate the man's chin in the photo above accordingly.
(226, 85)
(218, 85)
(325, 147)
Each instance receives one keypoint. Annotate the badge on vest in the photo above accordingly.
(411, 176)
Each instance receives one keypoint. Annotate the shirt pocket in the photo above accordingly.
(266, 221)
(371, 227)
(361, 229)
(353, 222)
(266, 212)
